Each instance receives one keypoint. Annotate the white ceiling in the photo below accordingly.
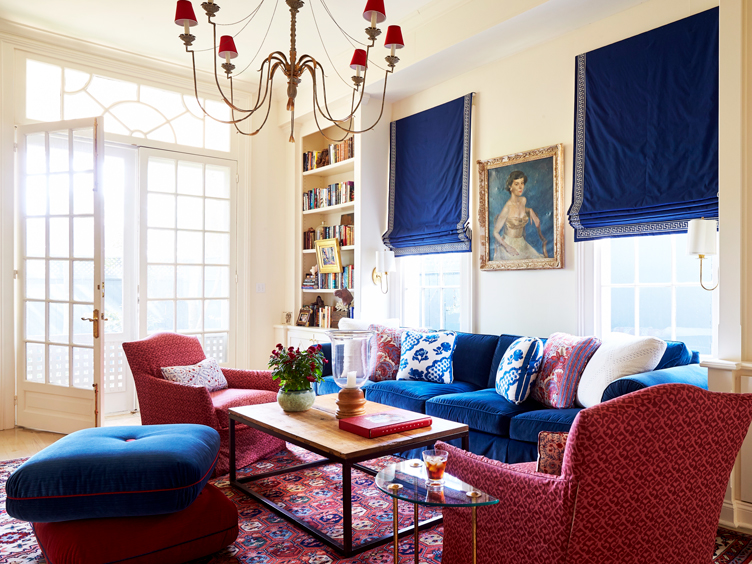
(146, 27)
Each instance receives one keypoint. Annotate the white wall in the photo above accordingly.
(524, 102)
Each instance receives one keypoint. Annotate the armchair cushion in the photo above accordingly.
(551, 452)
(223, 400)
(206, 373)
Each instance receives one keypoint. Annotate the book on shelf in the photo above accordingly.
(332, 195)
(333, 154)
(337, 280)
(345, 234)
(384, 423)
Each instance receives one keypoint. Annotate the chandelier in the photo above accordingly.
(293, 68)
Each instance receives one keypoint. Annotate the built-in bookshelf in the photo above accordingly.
(327, 204)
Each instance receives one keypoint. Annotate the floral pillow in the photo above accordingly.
(427, 356)
(205, 374)
(519, 368)
(564, 360)
(551, 452)
(385, 352)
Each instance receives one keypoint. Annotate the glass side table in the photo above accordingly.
(407, 481)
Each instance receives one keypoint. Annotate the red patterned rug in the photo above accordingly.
(315, 495)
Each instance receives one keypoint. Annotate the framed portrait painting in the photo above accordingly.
(328, 256)
(521, 221)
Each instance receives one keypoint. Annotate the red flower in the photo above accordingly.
(318, 347)
(279, 346)
(312, 365)
(290, 349)
(275, 354)
(311, 378)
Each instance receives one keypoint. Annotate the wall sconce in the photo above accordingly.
(702, 241)
(384, 265)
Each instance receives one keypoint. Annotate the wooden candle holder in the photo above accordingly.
(351, 402)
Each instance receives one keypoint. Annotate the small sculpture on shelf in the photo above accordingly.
(343, 307)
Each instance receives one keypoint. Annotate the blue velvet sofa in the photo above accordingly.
(500, 429)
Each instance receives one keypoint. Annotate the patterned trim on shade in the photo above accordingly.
(551, 452)
(579, 145)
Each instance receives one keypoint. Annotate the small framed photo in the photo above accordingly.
(520, 212)
(304, 317)
(328, 256)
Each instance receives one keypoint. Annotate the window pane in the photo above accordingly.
(431, 271)
(622, 310)
(190, 178)
(160, 281)
(59, 194)
(432, 308)
(59, 237)
(58, 323)
(452, 309)
(217, 215)
(217, 315)
(622, 260)
(83, 237)
(217, 134)
(35, 278)
(215, 346)
(189, 315)
(161, 175)
(36, 231)
(694, 318)
(83, 150)
(655, 312)
(161, 210)
(160, 245)
(82, 330)
(190, 247)
(217, 248)
(655, 259)
(36, 321)
(59, 278)
(36, 161)
(190, 281)
(83, 368)
(35, 362)
(58, 365)
(159, 316)
(36, 195)
(43, 89)
(83, 281)
(217, 282)
(59, 160)
(190, 212)
(83, 193)
(217, 181)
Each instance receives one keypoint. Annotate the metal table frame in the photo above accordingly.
(345, 548)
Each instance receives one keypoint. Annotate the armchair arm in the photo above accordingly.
(530, 524)
(250, 379)
(163, 402)
(692, 374)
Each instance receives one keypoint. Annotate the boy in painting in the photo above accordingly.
(509, 227)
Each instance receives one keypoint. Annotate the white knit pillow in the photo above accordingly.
(619, 355)
(205, 374)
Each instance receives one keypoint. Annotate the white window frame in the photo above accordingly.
(465, 287)
(590, 306)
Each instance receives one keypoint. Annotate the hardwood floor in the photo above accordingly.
(20, 442)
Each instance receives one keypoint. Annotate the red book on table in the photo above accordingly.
(384, 423)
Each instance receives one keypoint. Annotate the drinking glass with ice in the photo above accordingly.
(435, 461)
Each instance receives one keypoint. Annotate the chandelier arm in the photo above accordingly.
(327, 114)
(266, 117)
(269, 79)
(312, 71)
(381, 113)
(316, 117)
(232, 112)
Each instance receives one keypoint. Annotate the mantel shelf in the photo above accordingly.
(345, 248)
(331, 170)
(330, 209)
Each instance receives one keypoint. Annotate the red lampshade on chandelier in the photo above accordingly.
(292, 68)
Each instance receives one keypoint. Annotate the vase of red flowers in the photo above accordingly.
(296, 370)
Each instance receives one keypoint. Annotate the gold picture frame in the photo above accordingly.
(520, 211)
(328, 256)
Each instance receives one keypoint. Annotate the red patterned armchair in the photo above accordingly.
(642, 482)
(164, 402)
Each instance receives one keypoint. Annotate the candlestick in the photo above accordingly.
(374, 18)
(351, 379)
(186, 27)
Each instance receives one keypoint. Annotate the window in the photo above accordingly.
(186, 255)
(650, 286)
(435, 291)
(54, 93)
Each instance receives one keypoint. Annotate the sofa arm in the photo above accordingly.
(250, 379)
(511, 531)
(692, 374)
(163, 403)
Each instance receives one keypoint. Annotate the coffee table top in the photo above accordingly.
(319, 428)
(408, 481)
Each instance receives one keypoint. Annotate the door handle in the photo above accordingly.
(95, 320)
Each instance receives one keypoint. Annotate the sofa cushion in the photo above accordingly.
(519, 368)
(427, 356)
(207, 526)
(329, 386)
(386, 348)
(526, 426)
(692, 374)
(483, 410)
(564, 359)
(677, 354)
(223, 400)
(619, 355)
(204, 374)
(473, 357)
(114, 472)
(413, 395)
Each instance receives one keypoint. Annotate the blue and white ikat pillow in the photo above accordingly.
(519, 368)
(427, 356)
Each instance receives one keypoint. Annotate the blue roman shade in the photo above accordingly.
(646, 132)
(429, 181)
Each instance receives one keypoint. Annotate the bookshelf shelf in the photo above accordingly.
(330, 209)
(331, 170)
(345, 248)
(324, 291)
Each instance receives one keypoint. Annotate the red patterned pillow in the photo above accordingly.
(386, 346)
(564, 359)
(551, 452)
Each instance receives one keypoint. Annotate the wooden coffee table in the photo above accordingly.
(317, 430)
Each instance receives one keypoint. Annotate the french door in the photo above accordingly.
(61, 275)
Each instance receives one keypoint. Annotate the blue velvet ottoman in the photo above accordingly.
(114, 472)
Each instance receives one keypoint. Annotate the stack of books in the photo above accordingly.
(345, 234)
(332, 195)
(331, 155)
(336, 281)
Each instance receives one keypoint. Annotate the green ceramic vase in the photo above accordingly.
(296, 401)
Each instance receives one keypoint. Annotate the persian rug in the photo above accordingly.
(314, 495)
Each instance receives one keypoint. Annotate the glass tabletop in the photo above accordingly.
(408, 481)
